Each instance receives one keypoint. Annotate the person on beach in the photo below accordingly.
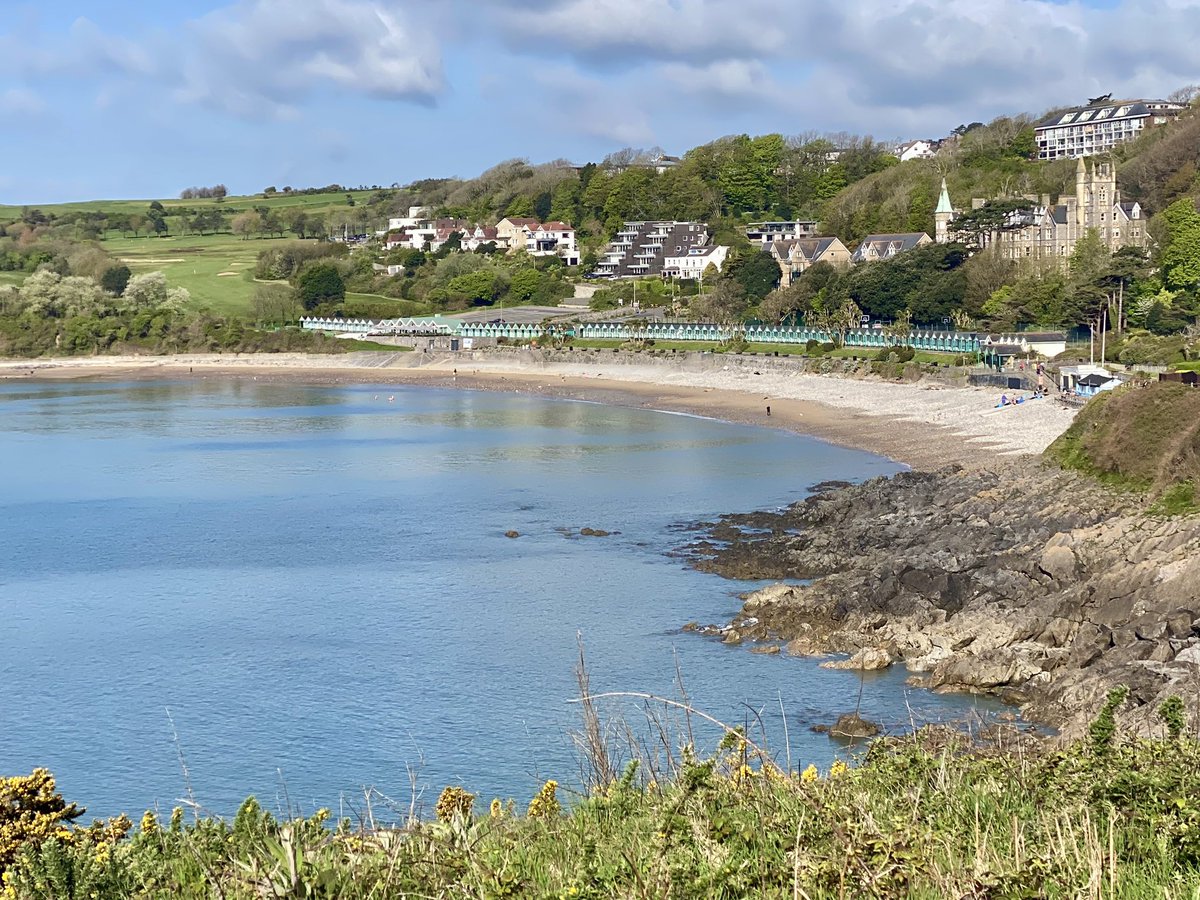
(768, 412)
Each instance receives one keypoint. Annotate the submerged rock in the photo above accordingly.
(868, 659)
(512, 534)
(852, 726)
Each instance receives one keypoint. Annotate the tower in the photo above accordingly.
(943, 216)
(1081, 198)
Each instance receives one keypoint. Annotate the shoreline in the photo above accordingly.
(923, 424)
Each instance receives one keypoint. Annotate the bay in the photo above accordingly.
(228, 587)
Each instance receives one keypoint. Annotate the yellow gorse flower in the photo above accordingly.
(545, 804)
(810, 774)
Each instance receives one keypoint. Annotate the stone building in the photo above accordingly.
(795, 256)
(1043, 230)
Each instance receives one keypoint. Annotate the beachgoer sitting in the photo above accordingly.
(1004, 399)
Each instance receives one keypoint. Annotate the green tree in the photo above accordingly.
(320, 283)
(757, 273)
(524, 284)
(299, 224)
(247, 223)
(151, 291)
(114, 279)
(725, 303)
(1088, 272)
(476, 287)
(1180, 256)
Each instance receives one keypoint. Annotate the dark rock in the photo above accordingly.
(1021, 581)
(851, 726)
(512, 534)
(594, 532)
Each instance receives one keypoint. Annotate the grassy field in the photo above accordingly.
(12, 277)
(313, 203)
(216, 269)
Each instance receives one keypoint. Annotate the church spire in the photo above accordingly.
(943, 216)
(943, 205)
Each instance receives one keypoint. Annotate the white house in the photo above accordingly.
(416, 215)
(919, 149)
(552, 239)
(691, 265)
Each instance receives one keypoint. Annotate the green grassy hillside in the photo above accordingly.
(314, 203)
(1145, 438)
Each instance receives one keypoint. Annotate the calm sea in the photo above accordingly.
(304, 591)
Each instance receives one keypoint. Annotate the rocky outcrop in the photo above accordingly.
(1038, 586)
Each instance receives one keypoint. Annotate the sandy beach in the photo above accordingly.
(924, 424)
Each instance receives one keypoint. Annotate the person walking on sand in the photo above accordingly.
(768, 412)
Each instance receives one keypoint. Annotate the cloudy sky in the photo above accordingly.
(107, 98)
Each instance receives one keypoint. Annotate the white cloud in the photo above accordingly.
(264, 56)
(728, 79)
(571, 101)
(888, 66)
(623, 32)
(21, 102)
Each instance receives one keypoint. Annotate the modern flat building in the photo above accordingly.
(766, 232)
(1100, 126)
(640, 248)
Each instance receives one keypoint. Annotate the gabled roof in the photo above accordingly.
(1095, 380)
(555, 226)
(1131, 208)
(1107, 111)
(520, 221)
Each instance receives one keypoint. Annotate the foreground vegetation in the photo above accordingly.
(931, 815)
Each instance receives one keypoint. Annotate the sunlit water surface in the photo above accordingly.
(298, 592)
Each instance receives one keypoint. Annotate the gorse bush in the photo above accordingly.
(934, 814)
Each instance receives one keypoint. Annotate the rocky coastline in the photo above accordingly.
(1038, 586)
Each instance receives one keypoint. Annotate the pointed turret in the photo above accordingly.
(943, 216)
(944, 201)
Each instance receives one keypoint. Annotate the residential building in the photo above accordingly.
(919, 149)
(474, 238)
(692, 264)
(552, 239)
(794, 256)
(416, 215)
(640, 248)
(1099, 126)
(511, 230)
(1050, 231)
(537, 238)
(766, 232)
(885, 246)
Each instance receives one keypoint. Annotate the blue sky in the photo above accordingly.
(120, 99)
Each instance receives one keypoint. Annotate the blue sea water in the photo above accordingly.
(301, 591)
